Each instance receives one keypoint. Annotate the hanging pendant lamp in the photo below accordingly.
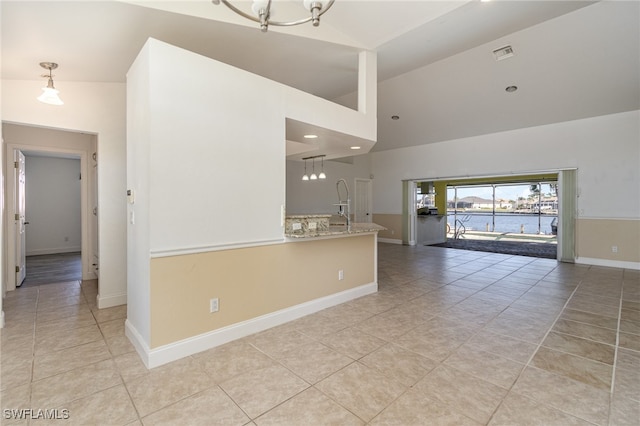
(50, 93)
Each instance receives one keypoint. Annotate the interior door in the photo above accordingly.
(20, 223)
(363, 205)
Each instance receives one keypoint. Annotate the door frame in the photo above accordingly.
(409, 213)
(567, 180)
(85, 210)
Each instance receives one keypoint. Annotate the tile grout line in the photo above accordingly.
(615, 353)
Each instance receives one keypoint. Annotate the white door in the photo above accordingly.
(364, 203)
(21, 242)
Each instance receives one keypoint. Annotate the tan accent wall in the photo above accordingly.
(595, 237)
(250, 282)
(393, 223)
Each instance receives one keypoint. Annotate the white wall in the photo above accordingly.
(3, 257)
(206, 161)
(605, 150)
(97, 108)
(318, 197)
(53, 205)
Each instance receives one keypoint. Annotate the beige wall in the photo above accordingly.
(596, 237)
(250, 282)
(393, 223)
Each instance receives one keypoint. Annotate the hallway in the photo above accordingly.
(453, 337)
(53, 268)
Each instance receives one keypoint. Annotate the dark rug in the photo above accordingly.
(544, 250)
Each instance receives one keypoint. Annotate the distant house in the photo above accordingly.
(480, 203)
(547, 203)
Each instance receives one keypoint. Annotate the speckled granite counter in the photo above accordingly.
(310, 226)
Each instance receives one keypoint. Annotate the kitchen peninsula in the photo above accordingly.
(321, 225)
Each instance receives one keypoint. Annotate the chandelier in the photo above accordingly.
(262, 10)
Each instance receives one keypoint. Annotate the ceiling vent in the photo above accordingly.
(503, 53)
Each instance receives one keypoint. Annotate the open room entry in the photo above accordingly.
(532, 215)
(61, 156)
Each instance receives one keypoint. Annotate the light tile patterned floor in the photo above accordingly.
(452, 338)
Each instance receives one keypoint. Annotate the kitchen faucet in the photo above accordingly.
(344, 203)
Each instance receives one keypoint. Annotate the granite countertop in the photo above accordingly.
(356, 228)
(307, 216)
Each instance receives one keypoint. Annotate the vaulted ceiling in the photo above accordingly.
(436, 68)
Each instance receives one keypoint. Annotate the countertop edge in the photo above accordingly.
(356, 229)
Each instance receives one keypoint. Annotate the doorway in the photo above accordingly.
(53, 198)
(529, 215)
(363, 201)
(52, 143)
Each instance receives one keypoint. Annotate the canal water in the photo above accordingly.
(504, 222)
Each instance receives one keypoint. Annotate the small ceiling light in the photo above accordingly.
(355, 147)
(310, 136)
(262, 10)
(305, 176)
(511, 89)
(50, 93)
(395, 117)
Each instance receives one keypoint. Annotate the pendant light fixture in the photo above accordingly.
(322, 175)
(314, 176)
(50, 93)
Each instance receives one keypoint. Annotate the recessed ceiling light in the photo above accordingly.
(511, 89)
(395, 117)
(310, 136)
(355, 147)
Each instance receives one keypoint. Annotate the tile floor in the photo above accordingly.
(452, 338)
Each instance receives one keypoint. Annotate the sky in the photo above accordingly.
(510, 192)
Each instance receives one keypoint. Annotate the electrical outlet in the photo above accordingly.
(614, 249)
(341, 275)
(214, 305)
(296, 226)
(313, 225)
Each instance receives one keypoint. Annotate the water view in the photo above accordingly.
(504, 222)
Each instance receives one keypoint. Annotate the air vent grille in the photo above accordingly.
(503, 53)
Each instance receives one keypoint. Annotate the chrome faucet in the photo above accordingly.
(344, 203)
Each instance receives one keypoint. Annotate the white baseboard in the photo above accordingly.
(110, 301)
(608, 263)
(180, 349)
(389, 240)
(59, 250)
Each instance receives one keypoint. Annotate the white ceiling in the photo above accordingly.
(573, 59)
